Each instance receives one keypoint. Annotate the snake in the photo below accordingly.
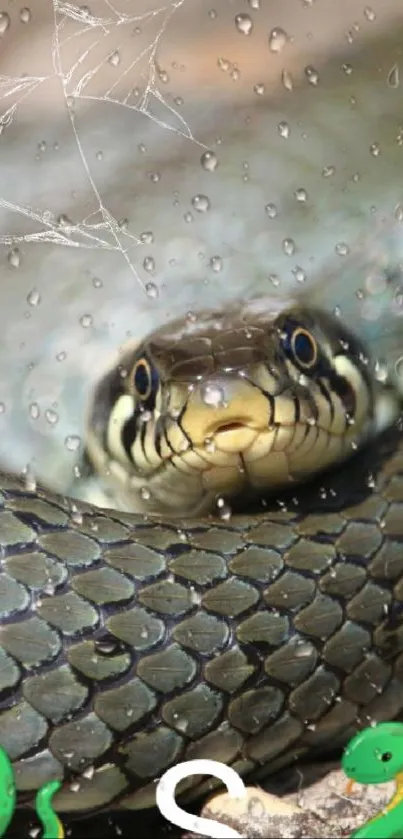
(375, 756)
(255, 632)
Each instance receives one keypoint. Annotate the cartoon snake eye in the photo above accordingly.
(386, 756)
(145, 379)
(300, 345)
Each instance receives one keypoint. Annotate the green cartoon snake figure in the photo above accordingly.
(52, 826)
(375, 756)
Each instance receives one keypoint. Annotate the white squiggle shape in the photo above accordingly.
(165, 795)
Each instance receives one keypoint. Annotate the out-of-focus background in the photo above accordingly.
(159, 156)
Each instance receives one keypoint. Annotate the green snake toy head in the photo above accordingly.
(375, 756)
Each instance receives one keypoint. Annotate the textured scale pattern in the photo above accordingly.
(127, 645)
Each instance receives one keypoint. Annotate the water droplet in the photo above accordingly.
(42, 146)
(51, 416)
(375, 149)
(25, 15)
(154, 177)
(259, 89)
(271, 210)
(216, 263)
(152, 290)
(61, 356)
(369, 14)
(342, 249)
(284, 129)
(209, 161)
(97, 282)
(114, 58)
(274, 279)
(288, 246)
(312, 75)
(99, 155)
(254, 4)
(163, 76)
(149, 264)
(223, 509)
(394, 76)
(277, 39)
(328, 171)
(212, 14)
(347, 69)
(4, 23)
(213, 395)
(223, 64)
(34, 411)
(34, 298)
(287, 80)
(244, 23)
(72, 442)
(299, 274)
(145, 493)
(188, 218)
(14, 258)
(399, 212)
(301, 195)
(201, 203)
(235, 74)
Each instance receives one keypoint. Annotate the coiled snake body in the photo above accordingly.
(129, 643)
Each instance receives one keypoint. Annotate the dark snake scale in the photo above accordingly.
(128, 645)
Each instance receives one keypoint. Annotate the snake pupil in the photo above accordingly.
(386, 756)
(142, 379)
(304, 348)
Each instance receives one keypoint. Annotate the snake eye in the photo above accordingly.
(300, 345)
(145, 379)
(386, 756)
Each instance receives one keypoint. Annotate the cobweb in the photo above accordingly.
(159, 157)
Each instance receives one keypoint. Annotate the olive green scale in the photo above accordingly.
(127, 644)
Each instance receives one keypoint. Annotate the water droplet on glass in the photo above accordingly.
(254, 4)
(288, 246)
(147, 237)
(61, 356)
(369, 14)
(301, 194)
(97, 282)
(4, 23)
(99, 155)
(213, 395)
(201, 203)
(64, 220)
(286, 79)
(375, 149)
(394, 76)
(223, 509)
(284, 129)
(259, 89)
(51, 416)
(33, 298)
(244, 23)
(216, 263)
(25, 15)
(145, 493)
(42, 146)
(223, 64)
(342, 249)
(209, 161)
(299, 274)
(277, 39)
(154, 177)
(72, 442)
(34, 411)
(114, 58)
(14, 258)
(149, 264)
(399, 212)
(163, 76)
(312, 74)
(328, 171)
(347, 69)
(274, 279)
(271, 210)
(151, 291)
(86, 320)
